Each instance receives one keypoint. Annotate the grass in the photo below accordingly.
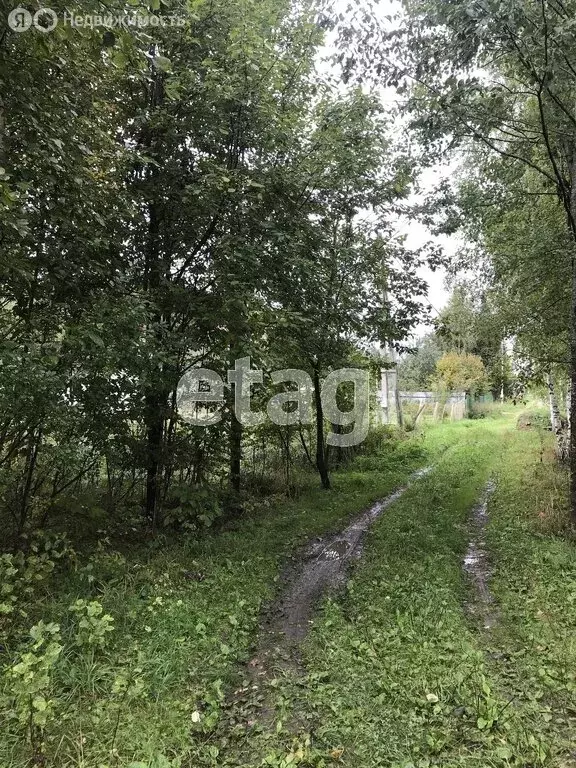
(185, 614)
(535, 584)
(390, 662)
(396, 672)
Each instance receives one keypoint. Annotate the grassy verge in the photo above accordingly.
(133, 653)
(535, 584)
(399, 676)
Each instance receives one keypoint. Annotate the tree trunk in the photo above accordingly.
(154, 445)
(2, 133)
(553, 404)
(398, 402)
(573, 349)
(556, 421)
(154, 410)
(236, 429)
(34, 442)
(573, 391)
(321, 464)
(421, 409)
(155, 391)
(235, 453)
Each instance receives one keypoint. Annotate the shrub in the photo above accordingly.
(194, 507)
(534, 420)
(29, 683)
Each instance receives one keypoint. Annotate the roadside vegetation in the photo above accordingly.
(139, 656)
(133, 648)
(218, 221)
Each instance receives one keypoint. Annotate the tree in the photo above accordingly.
(177, 196)
(470, 323)
(61, 209)
(502, 75)
(522, 242)
(460, 371)
(208, 142)
(343, 267)
(415, 371)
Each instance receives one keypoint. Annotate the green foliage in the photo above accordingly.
(196, 507)
(185, 195)
(23, 573)
(534, 419)
(496, 81)
(415, 371)
(30, 689)
(397, 673)
(104, 566)
(175, 196)
(92, 624)
(403, 455)
(460, 372)
(455, 325)
(488, 410)
(185, 615)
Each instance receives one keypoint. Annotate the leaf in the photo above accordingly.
(95, 338)
(39, 703)
(162, 63)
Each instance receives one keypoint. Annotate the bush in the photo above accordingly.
(534, 420)
(398, 454)
(194, 507)
(485, 411)
(379, 439)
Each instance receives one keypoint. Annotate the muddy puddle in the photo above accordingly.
(476, 564)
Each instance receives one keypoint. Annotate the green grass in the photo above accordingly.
(185, 616)
(390, 661)
(396, 674)
(535, 584)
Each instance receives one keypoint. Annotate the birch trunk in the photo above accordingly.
(556, 420)
(553, 404)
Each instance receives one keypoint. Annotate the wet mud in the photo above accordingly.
(481, 606)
